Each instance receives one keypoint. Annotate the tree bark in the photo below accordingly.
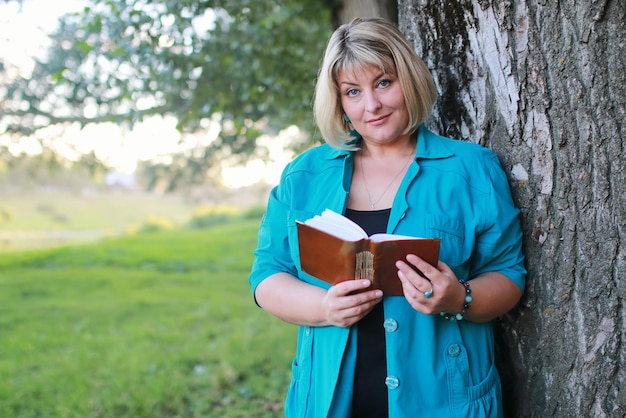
(347, 10)
(542, 83)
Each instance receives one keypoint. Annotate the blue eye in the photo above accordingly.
(384, 83)
(352, 92)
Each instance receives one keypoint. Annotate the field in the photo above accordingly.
(160, 323)
(37, 220)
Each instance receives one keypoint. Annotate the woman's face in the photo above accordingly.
(374, 102)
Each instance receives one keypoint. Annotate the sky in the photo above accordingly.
(23, 35)
(23, 28)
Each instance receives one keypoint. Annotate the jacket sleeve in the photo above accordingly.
(499, 240)
(272, 253)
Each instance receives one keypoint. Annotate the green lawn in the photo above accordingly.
(153, 325)
(74, 211)
(38, 220)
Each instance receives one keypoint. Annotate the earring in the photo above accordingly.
(346, 118)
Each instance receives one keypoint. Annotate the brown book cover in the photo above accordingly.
(335, 259)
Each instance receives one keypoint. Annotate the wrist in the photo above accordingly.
(464, 305)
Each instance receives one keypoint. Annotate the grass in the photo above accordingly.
(43, 220)
(158, 324)
(40, 220)
(97, 211)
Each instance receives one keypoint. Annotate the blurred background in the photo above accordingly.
(174, 103)
(138, 142)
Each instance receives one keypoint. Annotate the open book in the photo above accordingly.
(335, 249)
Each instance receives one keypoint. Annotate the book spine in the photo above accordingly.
(364, 265)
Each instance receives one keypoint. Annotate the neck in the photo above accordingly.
(399, 149)
(386, 180)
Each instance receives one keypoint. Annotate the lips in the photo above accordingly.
(378, 121)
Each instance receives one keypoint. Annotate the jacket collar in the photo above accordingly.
(431, 146)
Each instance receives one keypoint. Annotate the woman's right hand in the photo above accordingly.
(301, 303)
(347, 302)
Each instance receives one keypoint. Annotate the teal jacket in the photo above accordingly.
(436, 368)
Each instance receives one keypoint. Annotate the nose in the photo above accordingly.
(372, 103)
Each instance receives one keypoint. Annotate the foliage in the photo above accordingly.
(108, 212)
(152, 224)
(254, 212)
(247, 66)
(49, 170)
(208, 216)
(156, 325)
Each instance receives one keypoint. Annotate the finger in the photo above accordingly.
(349, 295)
(419, 281)
(347, 310)
(413, 296)
(350, 286)
(426, 269)
(420, 292)
(445, 269)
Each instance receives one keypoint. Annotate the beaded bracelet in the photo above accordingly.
(466, 305)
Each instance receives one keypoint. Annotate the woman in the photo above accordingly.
(430, 352)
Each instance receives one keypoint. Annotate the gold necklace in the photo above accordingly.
(369, 196)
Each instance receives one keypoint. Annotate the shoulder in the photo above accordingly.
(458, 147)
(477, 164)
(317, 158)
(312, 177)
(455, 151)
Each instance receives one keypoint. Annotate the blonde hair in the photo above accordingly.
(362, 43)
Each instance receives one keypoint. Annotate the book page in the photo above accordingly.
(337, 225)
(391, 237)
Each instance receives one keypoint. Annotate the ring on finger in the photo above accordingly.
(429, 293)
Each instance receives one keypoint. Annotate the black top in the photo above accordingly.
(370, 391)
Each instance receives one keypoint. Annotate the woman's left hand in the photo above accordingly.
(438, 290)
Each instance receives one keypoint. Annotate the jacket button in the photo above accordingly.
(454, 350)
(392, 382)
(390, 325)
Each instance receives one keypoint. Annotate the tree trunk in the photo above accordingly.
(543, 84)
(347, 10)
